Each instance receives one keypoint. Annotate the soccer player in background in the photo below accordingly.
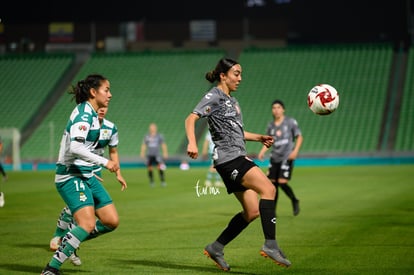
(151, 147)
(108, 138)
(75, 181)
(241, 176)
(288, 140)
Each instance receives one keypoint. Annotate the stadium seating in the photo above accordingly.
(358, 72)
(160, 87)
(164, 86)
(405, 133)
(26, 82)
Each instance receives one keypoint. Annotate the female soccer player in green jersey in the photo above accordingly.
(82, 192)
(108, 138)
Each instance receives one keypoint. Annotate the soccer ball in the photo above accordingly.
(323, 99)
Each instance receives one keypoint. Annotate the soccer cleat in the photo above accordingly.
(217, 257)
(74, 259)
(48, 270)
(296, 208)
(276, 255)
(2, 201)
(55, 243)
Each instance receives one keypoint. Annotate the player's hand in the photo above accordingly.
(267, 140)
(112, 166)
(293, 155)
(192, 151)
(122, 182)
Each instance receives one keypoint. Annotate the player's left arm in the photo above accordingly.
(298, 139)
(298, 143)
(264, 139)
(113, 155)
(164, 150)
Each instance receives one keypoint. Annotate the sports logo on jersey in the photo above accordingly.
(85, 117)
(105, 134)
(207, 110)
(82, 127)
(82, 196)
(208, 95)
(234, 174)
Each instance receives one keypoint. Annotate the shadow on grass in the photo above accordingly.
(31, 269)
(41, 246)
(169, 265)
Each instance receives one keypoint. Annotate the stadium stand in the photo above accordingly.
(163, 86)
(359, 73)
(160, 87)
(405, 133)
(27, 81)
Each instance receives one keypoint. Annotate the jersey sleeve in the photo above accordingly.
(80, 127)
(206, 105)
(81, 151)
(114, 140)
(295, 128)
(269, 129)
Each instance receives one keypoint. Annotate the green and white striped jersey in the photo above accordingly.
(80, 138)
(108, 137)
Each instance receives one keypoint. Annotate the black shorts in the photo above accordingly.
(154, 160)
(279, 170)
(233, 171)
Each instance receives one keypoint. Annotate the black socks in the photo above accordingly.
(236, 225)
(268, 218)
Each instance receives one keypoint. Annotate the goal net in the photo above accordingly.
(11, 147)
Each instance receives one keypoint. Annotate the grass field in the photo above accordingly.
(353, 220)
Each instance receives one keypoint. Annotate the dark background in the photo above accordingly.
(296, 21)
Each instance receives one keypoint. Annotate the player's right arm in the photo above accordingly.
(192, 149)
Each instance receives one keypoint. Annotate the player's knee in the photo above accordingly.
(269, 191)
(88, 225)
(251, 215)
(111, 223)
